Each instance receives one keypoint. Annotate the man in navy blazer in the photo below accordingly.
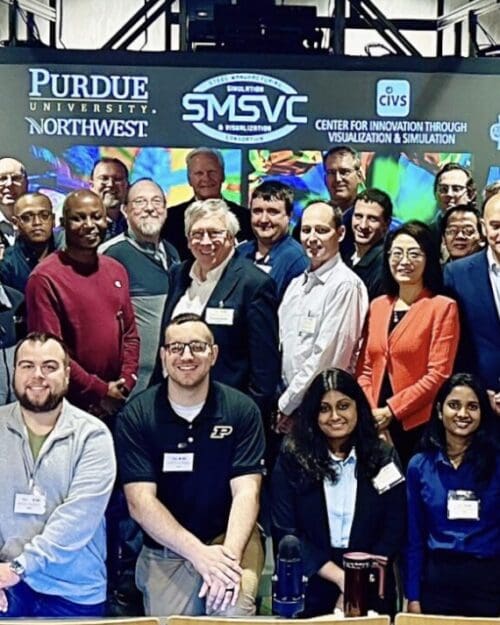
(475, 283)
(237, 301)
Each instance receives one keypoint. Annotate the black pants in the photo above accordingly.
(461, 585)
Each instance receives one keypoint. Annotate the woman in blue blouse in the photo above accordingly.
(453, 552)
(329, 491)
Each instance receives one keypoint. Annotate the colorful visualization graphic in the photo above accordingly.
(408, 178)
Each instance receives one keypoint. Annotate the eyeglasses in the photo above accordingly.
(397, 255)
(140, 203)
(213, 235)
(195, 347)
(467, 231)
(46, 367)
(8, 179)
(343, 173)
(456, 189)
(29, 217)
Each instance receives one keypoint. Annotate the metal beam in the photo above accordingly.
(384, 27)
(34, 6)
(480, 7)
(131, 23)
(339, 28)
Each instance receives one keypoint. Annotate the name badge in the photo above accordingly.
(220, 316)
(33, 503)
(388, 477)
(463, 504)
(308, 325)
(178, 463)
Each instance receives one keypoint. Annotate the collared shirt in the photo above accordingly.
(321, 322)
(341, 499)
(494, 273)
(7, 230)
(430, 478)
(195, 299)
(156, 251)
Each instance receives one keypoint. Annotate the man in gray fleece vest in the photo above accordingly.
(58, 467)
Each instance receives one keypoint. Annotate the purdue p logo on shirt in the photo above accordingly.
(221, 431)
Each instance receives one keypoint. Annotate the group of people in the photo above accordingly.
(206, 341)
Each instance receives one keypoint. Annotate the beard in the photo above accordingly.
(149, 228)
(53, 400)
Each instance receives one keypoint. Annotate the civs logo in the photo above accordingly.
(393, 98)
(244, 108)
(495, 132)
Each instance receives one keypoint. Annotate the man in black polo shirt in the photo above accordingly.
(190, 453)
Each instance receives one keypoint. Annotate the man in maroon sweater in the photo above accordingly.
(84, 299)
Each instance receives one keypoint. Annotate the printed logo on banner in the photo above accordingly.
(495, 132)
(393, 98)
(244, 108)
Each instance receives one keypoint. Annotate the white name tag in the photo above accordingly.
(220, 316)
(388, 477)
(463, 504)
(178, 462)
(308, 325)
(30, 504)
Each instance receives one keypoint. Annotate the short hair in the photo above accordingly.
(36, 195)
(470, 184)
(217, 154)
(483, 450)
(144, 179)
(42, 337)
(204, 208)
(377, 196)
(432, 276)
(461, 208)
(183, 318)
(110, 160)
(336, 211)
(22, 167)
(274, 190)
(75, 194)
(343, 150)
(491, 189)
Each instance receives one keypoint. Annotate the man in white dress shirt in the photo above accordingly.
(323, 310)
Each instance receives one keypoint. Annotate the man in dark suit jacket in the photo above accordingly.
(237, 301)
(475, 283)
(205, 169)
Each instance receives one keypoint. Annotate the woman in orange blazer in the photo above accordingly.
(411, 339)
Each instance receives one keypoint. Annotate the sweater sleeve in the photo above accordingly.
(130, 341)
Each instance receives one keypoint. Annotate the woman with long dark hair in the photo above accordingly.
(328, 490)
(411, 340)
(453, 551)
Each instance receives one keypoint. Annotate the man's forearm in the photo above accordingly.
(161, 525)
(242, 519)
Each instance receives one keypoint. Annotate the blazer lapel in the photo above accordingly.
(480, 285)
(415, 311)
(226, 284)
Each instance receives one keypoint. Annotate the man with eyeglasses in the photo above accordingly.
(461, 231)
(190, 452)
(147, 258)
(474, 282)
(236, 300)
(13, 184)
(34, 219)
(109, 179)
(58, 467)
(206, 175)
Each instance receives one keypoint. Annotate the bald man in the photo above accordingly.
(13, 184)
(34, 219)
(84, 299)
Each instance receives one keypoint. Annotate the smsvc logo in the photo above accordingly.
(244, 108)
(495, 132)
(393, 98)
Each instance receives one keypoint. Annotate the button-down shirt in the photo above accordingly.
(341, 499)
(195, 299)
(430, 478)
(494, 273)
(321, 321)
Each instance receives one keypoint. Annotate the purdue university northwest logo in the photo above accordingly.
(244, 108)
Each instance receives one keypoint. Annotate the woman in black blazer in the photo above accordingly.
(323, 490)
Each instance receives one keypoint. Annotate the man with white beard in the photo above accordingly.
(146, 258)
